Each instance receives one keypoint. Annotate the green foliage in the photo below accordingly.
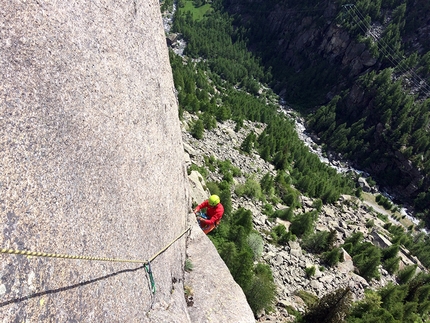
(286, 214)
(188, 265)
(202, 170)
(319, 242)
(406, 274)
(310, 271)
(331, 308)
(317, 204)
(392, 264)
(366, 256)
(239, 246)
(332, 257)
(213, 188)
(255, 242)
(268, 209)
(370, 223)
(197, 130)
(308, 298)
(303, 224)
(261, 292)
(385, 202)
(249, 142)
(251, 188)
(280, 234)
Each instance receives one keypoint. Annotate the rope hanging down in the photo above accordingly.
(53, 255)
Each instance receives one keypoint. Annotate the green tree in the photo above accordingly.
(331, 308)
(303, 223)
(261, 292)
(198, 129)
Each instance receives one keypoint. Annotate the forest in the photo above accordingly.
(377, 118)
(218, 79)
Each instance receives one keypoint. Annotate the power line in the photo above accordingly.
(388, 52)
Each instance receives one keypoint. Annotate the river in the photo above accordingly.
(332, 161)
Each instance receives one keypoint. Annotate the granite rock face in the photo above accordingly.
(91, 163)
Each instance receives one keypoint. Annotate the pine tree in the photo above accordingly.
(331, 308)
(197, 130)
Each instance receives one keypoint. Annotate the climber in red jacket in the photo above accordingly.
(214, 212)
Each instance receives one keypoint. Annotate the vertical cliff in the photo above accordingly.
(91, 162)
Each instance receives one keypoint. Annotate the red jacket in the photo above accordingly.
(214, 213)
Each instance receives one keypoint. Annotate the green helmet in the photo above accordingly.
(214, 200)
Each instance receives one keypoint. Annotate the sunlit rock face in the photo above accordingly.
(91, 163)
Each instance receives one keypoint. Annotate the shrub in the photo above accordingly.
(197, 130)
(202, 170)
(332, 257)
(310, 271)
(317, 204)
(213, 188)
(391, 264)
(308, 298)
(268, 210)
(188, 265)
(251, 188)
(331, 308)
(303, 223)
(319, 242)
(280, 235)
(370, 223)
(367, 258)
(286, 214)
(255, 241)
(261, 293)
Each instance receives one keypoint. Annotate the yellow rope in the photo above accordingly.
(53, 255)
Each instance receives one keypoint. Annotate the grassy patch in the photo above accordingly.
(308, 298)
(198, 13)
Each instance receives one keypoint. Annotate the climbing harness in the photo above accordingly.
(147, 263)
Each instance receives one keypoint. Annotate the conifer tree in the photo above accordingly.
(331, 308)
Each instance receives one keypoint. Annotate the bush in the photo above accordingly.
(331, 308)
(268, 210)
(251, 188)
(370, 223)
(317, 204)
(280, 235)
(332, 257)
(310, 271)
(255, 242)
(188, 265)
(261, 293)
(367, 258)
(202, 170)
(319, 242)
(197, 130)
(308, 298)
(391, 264)
(303, 223)
(286, 214)
(213, 188)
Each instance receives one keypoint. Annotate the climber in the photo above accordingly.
(211, 218)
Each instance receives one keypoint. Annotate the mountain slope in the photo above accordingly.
(360, 73)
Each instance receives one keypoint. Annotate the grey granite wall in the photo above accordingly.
(91, 162)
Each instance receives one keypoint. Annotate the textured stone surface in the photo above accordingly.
(216, 297)
(91, 162)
